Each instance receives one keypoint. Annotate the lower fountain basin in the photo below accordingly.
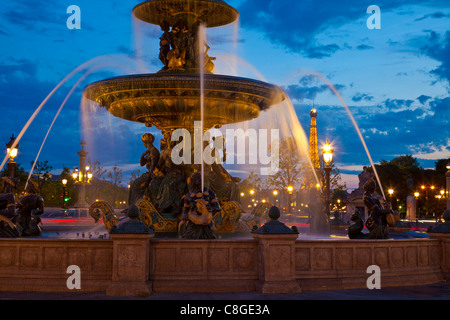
(172, 100)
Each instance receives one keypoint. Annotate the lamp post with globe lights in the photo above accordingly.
(82, 176)
(327, 152)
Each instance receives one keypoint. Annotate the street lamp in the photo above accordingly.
(327, 152)
(391, 192)
(423, 187)
(290, 189)
(75, 174)
(82, 177)
(275, 193)
(12, 151)
(65, 196)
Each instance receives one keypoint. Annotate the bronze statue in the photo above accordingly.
(355, 229)
(198, 209)
(377, 221)
(171, 186)
(29, 208)
(164, 44)
(149, 159)
(7, 196)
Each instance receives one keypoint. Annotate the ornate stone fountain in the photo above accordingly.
(172, 98)
(135, 264)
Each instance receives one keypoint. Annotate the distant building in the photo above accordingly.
(355, 199)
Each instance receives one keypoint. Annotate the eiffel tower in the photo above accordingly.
(313, 144)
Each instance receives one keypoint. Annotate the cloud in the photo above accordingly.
(308, 88)
(435, 15)
(29, 15)
(398, 104)
(364, 47)
(362, 96)
(438, 48)
(423, 98)
(297, 25)
(430, 151)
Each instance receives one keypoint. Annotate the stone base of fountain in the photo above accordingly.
(267, 263)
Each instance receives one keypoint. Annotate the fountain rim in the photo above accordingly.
(211, 20)
(179, 76)
(248, 93)
(277, 93)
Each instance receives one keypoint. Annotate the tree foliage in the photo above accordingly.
(291, 166)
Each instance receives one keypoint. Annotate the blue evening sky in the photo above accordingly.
(395, 80)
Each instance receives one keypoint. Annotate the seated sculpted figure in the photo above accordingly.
(198, 209)
(29, 208)
(377, 222)
(355, 229)
(149, 159)
(170, 186)
(225, 186)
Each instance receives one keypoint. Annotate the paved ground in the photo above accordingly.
(439, 291)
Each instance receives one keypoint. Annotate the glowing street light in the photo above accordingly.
(82, 176)
(12, 151)
(327, 152)
(423, 187)
(289, 189)
(65, 196)
(391, 192)
(75, 174)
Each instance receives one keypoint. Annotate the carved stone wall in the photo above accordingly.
(323, 264)
(204, 266)
(218, 265)
(41, 265)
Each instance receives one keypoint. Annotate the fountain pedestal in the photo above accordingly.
(277, 252)
(131, 265)
(445, 252)
(277, 273)
(131, 258)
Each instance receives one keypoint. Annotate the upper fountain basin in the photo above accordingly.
(172, 100)
(213, 13)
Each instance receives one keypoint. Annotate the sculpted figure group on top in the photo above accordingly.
(180, 48)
